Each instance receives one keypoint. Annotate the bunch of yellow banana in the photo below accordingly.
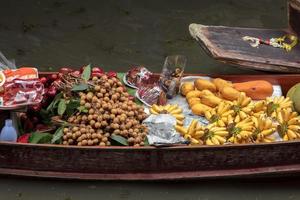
(264, 129)
(219, 115)
(275, 105)
(289, 124)
(259, 108)
(193, 133)
(215, 135)
(242, 108)
(173, 110)
(241, 132)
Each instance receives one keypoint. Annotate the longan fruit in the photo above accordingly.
(99, 95)
(104, 139)
(65, 143)
(94, 135)
(83, 136)
(130, 140)
(99, 118)
(65, 137)
(99, 136)
(97, 88)
(90, 142)
(92, 122)
(84, 142)
(97, 125)
(103, 91)
(70, 141)
(82, 102)
(79, 144)
(75, 128)
(91, 111)
(78, 133)
(104, 123)
(66, 130)
(95, 141)
(108, 143)
(89, 96)
(87, 105)
(88, 135)
(102, 144)
(69, 134)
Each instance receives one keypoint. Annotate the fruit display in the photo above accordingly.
(235, 116)
(173, 110)
(105, 110)
(89, 107)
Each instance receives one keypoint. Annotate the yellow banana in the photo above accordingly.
(181, 130)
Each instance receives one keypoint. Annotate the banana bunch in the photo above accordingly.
(193, 133)
(264, 129)
(173, 110)
(242, 108)
(259, 108)
(241, 132)
(215, 135)
(219, 115)
(289, 124)
(275, 105)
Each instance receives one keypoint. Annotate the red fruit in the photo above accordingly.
(96, 74)
(111, 74)
(37, 107)
(97, 70)
(65, 70)
(24, 138)
(52, 91)
(43, 80)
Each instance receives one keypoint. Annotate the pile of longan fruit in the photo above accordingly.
(111, 110)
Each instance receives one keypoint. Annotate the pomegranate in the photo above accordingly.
(43, 80)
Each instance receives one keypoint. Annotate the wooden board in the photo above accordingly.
(226, 44)
(294, 16)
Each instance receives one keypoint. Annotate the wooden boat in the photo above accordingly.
(225, 44)
(152, 163)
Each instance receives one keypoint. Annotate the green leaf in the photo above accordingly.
(61, 107)
(72, 106)
(40, 138)
(57, 136)
(82, 109)
(54, 102)
(86, 74)
(119, 139)
(146, 142)
(80, 87)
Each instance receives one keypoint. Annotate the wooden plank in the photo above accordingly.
(226, 44)
(294, 16)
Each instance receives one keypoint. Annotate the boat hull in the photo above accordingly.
(149, 163)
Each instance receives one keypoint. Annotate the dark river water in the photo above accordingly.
(115, 35)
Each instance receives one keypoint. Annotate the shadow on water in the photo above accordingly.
(239, 189)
